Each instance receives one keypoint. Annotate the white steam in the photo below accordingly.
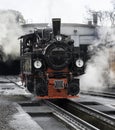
(10, 30)
(98, 74)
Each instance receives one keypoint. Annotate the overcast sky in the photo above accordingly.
(43, 10)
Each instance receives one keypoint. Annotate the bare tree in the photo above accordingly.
(103, 17)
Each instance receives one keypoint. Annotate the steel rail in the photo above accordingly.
(14, 82)
(102, 94)
(110, 121)
(73, 121)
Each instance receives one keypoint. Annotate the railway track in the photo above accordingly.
(70, 121)
(101, 94)
(96, 118)
(69, 118)
(10, 88)
(75, 116)
(8, 83)
(14, 80)
(65, 114)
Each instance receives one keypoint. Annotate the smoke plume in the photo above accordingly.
(98, 73)
(10, 30)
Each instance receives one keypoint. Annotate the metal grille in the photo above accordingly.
(59, 84)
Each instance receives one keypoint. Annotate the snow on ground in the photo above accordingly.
(10, 88)
(22, 121)
(12, 116)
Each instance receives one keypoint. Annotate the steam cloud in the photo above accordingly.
(98, 74)
(10, 30)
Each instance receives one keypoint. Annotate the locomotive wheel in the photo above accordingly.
(73, 87)
(41, 87)
(29, 84)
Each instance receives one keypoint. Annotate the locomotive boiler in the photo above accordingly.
(50, 63)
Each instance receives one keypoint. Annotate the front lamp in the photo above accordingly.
(79, 63)
(58, 37)
(37, 64)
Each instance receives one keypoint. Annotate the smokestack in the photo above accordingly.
(56, 22)
(95, 18)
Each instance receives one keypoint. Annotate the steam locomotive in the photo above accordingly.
(50, 63)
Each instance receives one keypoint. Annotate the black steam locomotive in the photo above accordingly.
(50, 63)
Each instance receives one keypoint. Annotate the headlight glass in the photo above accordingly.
(79, 63)
(58, 38)
(37, 64)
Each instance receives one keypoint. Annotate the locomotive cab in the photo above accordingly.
(50, 63)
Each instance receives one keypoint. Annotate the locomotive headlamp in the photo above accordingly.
(58, 37)
(79, 63)
(37, 64)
